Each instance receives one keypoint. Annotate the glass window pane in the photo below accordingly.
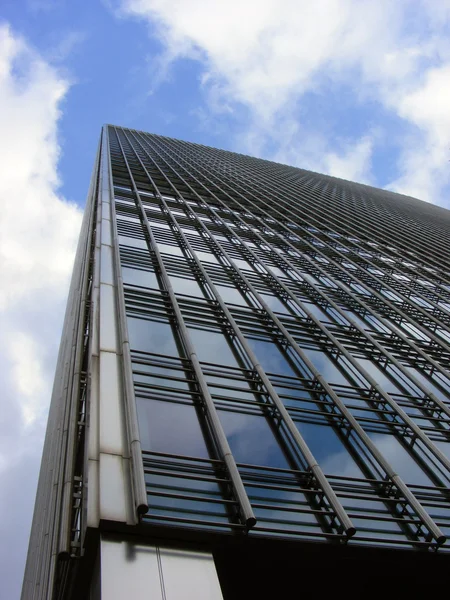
(186, 286)
(212, 347)
(129, 241)
(168, 249)
(140, 278)
(231, 295)
(170, 427)
(328, 450)
(275, 303)
(151, 336)
(380, 377)
(400, 459)
(251, 440)
(270, 357)
(326, 367)
(206, 257)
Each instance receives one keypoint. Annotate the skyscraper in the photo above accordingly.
(252, 390)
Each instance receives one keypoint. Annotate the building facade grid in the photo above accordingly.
(283, 347)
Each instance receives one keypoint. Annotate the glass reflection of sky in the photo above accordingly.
(174, 426)
(231, 295)
(251, 440)
(170, 427)
(135, 242)
(186, 286)
(270, 357)
(151, 336)
(139, 277)
(212, 347)
(400, 459)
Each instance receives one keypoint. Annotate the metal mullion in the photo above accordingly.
(166, 494)
(418, 509)
(300, 191)
(380, 234)
(344, 240)
(370, 275)
(410, 376)
(432, 446)
(358, 281)
(313, 465)
(247, 515)
(441, 405)
(343, 257)
(358, 234)
(306, 453)
(189, 522)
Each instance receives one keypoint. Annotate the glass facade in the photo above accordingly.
(275, 345)
(317, 312)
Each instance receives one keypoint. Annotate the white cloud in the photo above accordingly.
(38, 232)
(27, 372)
(267, 56)
(427, 107)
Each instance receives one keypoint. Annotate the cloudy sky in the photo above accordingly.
(356, 89)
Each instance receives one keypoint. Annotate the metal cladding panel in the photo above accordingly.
(189, 575)
(146, 572)
(129, 571)
(111, 411)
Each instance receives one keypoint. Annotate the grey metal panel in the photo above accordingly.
(113, 488)
(47, 518)
(106, 264)
(129, 571)
(108, 320)
(111, 425)
(189, 575)
(93, 498)
(147, 572)
(106, 231)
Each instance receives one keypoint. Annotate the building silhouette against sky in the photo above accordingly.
(252, 391)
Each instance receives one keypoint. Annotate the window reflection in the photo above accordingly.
(275, 304)
(381, 378)
(400, 459)
(206, 257)
(270, 357)
(170, 427)
(168, 249)
(326, 367)
(231, 295)
(213, 347)
(151, 336)
(140, 278)
(131, 241)
(329, 450)
(251, 440)
(186, 286)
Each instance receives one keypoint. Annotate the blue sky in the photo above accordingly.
(360, 90)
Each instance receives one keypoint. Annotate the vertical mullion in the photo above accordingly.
(428, 394)
(247, 515)
(277, 402)
(300, 193)
(397, 409)
(316, 250)
(351, 419)
(134, 439)
(367, 308)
